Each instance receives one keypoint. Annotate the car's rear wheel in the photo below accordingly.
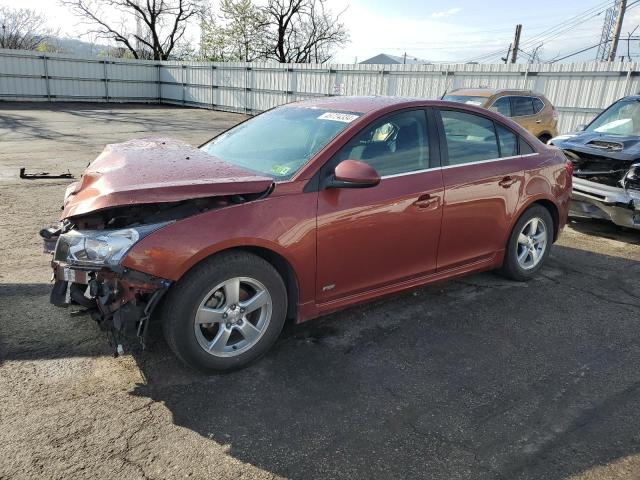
(529, 244)
(544, 138)
(226, 312)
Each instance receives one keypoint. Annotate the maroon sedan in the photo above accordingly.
(303, 210)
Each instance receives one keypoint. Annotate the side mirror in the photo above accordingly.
(581, 127)
(353, 174)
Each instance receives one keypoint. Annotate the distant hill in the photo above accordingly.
(76, 46)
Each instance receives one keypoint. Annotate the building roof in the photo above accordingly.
(386, 59)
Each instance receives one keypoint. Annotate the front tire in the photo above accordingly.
(226, 312)
(529, 244)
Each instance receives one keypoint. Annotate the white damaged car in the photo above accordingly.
(606, 164)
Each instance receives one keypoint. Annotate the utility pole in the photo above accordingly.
(505, 59)
(616, 31)
(404, 61)
(516, 43)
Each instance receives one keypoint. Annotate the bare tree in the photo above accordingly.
(23, 29)
(303, 31)
(146, 28)
(237, 34)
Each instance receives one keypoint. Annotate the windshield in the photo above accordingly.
(279, 142)
(621, 118)
(471, 100)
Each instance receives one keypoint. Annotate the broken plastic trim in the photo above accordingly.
(42, 175)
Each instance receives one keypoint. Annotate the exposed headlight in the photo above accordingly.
(632, 177)
(100, 247)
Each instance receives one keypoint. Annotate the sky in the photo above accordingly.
(453, 31)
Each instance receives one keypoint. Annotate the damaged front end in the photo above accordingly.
(606, 186)
(88, 252)
(87, 273)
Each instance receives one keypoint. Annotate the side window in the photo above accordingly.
(538, 105)
(395, 144)
(502, 105)
(521, 106)
(525, 148)
(470, 138)
(508, 141)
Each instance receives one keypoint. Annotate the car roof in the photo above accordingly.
(364, 104)
(489, 92)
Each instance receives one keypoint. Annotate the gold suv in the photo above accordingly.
(531, 110)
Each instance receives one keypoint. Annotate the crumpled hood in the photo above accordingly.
(595, 143)
(155, 170)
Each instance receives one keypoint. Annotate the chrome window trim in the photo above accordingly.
(490, 160)
(412, 172)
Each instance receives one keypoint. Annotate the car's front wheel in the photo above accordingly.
(529, 244)
(226, 312)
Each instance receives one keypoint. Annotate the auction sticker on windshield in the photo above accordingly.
(338, 117)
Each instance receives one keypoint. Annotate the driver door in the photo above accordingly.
(369, 238)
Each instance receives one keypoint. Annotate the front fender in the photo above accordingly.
(284, 225)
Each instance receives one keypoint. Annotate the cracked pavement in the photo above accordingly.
(477, 378)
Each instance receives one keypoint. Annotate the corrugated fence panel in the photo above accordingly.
(579, 90)
(79, 89)
(23, 88)
(131, 91)
(74, 68)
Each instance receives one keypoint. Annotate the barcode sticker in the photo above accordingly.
(338, 117)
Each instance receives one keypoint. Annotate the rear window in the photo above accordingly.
(521, 106)
(470, 138)
(538, 105)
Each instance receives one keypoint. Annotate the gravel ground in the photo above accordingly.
(472, 379)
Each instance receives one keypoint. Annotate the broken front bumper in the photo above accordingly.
(595, 200)
(119, 299)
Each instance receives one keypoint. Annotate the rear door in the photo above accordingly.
(523, 112)
(368, 238)
(483, 177)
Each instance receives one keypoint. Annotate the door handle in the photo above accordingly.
(427, 201)
(506, 182)
(538, 121)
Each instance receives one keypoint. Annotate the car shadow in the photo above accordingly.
(479, 377)
(474, 378)
(605, 229)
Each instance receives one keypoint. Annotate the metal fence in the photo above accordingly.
(578, 90)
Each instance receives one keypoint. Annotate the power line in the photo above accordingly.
(556, 30)
(576, 53)
(555, 60)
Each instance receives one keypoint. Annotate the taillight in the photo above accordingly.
(554, 112)
(569, 166)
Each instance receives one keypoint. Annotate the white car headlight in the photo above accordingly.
(100, 247)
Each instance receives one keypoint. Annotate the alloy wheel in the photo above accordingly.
(233, 316)
(532, 243)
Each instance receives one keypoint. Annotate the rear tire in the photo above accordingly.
(225, 313)
(544, 138)
(529, 244)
